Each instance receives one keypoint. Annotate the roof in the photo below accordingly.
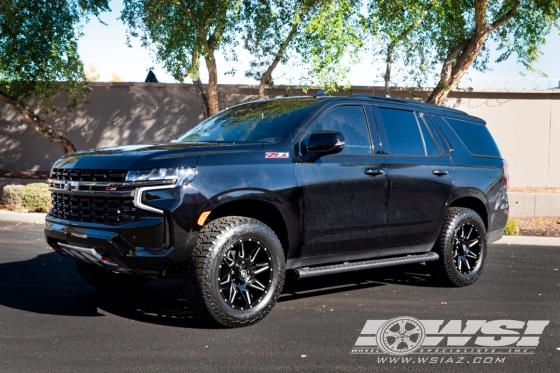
(409, 102)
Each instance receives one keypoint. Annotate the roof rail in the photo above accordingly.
(321, 93)
(410, 102)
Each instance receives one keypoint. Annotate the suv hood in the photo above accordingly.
(140, 157)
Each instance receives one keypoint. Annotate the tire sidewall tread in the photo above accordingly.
(200, 286)
(443, 270)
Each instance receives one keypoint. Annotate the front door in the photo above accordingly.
(343, 195)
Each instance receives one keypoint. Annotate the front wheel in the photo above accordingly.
(236, 271)
(101, 279)
(461, 246)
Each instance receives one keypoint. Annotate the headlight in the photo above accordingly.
(181, 175)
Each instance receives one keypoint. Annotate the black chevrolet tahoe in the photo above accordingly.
(304, 186)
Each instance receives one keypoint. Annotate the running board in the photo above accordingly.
(366, 264)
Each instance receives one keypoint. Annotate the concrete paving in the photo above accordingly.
(52, 321)
(24, 217)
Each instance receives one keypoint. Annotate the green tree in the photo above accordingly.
(462, 29)
(333, 39)
(38, 45)
(179, 32)
(319, 32)
(397, 27)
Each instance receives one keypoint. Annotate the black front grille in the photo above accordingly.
(88, 175)
(94, 209)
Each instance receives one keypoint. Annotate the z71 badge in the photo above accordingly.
(276, 155)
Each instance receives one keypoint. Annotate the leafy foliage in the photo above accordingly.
(38, 40)
(39, 57)
(36, 197)
(179, 32)
(315, 34)
(333, 34)
(398, 32)
(511, 228)
(11, 196)
(461, 31)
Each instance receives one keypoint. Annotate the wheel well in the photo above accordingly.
(473, 204)
(259, 210)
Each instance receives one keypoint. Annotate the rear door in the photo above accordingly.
(343, 195)
(420, 179)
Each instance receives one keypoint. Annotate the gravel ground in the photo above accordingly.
(546, 226)
(39, 175)
(534, 190)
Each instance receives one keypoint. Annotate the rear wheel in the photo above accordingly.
(461, 246)
(101, 279)
(236, 272)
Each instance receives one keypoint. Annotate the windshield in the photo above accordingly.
(257, 122)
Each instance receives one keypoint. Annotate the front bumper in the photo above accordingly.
(143, 247)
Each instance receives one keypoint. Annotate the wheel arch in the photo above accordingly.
(266, 211)
(474, 201)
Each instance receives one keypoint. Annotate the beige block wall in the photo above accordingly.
(527, 132)
(526, 125)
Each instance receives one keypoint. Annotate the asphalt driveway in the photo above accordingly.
(51, 321)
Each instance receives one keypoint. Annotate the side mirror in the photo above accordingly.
(322, 143)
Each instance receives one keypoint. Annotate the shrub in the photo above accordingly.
(512, 228)
(11, 196)
(36, 197)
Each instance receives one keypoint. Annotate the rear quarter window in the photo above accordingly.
(475, 136)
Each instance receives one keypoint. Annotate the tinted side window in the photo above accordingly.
(476, 137)
(405, 133)
(351, 122)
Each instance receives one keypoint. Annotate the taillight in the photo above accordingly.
(506, 174)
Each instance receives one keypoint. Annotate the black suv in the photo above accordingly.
(305, 185)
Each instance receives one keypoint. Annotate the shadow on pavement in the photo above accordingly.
(50, 284)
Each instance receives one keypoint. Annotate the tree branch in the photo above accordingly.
(201, 32)
(219, 30)
(505, 18)
(279, 54)
(34, 121)
(447, 68)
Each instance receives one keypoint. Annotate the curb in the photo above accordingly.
(24, 217)
(529, 240)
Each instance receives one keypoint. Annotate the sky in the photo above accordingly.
(104, 46)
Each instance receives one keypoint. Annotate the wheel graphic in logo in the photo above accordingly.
(401, 336)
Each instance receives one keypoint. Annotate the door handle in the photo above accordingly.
(374, 172)
(440, 172)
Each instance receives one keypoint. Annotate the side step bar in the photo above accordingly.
(366, 264)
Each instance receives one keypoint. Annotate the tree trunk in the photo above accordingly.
(194, 74)
(265, 78)
(201, 95)
(213, 102)
(38, 124)
(462, 56)
(452, 74)
(389, 63)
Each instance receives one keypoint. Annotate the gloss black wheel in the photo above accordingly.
(467, 248)
(461, 246)
(246, 273)
(236, 272)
